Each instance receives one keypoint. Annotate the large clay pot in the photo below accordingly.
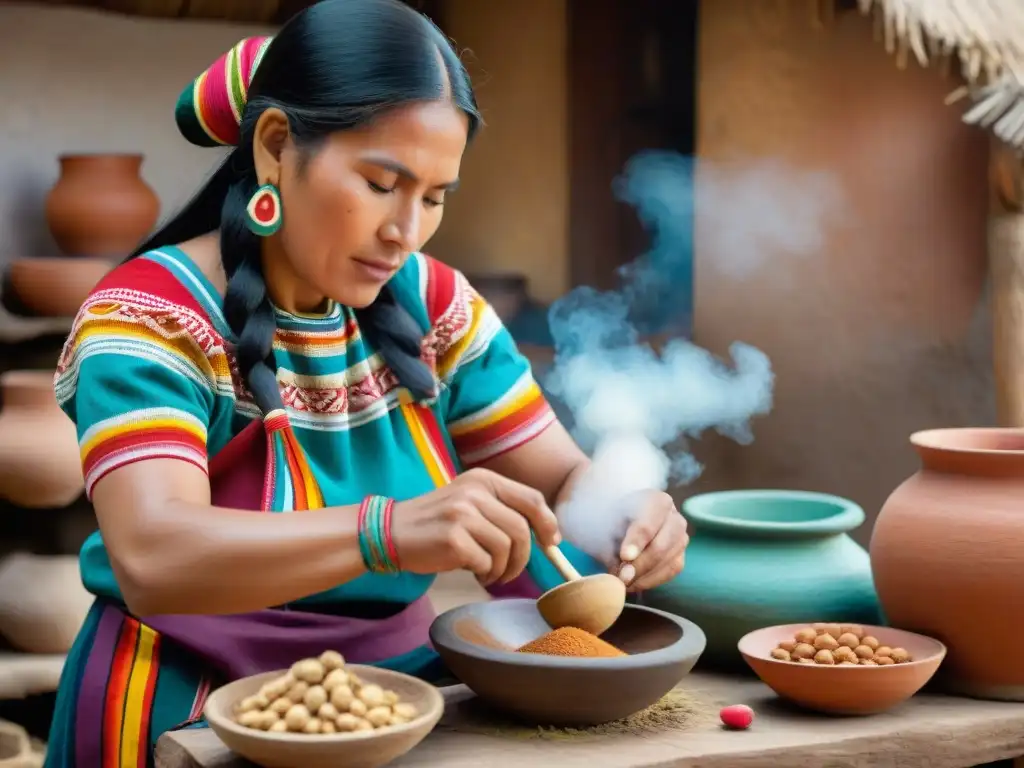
(759, 558)
(100, 205)
(948, 556)
(40, 464)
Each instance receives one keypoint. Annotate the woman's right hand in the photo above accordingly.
(479, 522)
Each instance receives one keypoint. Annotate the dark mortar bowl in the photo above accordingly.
(477, 642)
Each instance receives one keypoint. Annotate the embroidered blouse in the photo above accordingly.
(148, 371)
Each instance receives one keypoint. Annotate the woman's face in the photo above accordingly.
(354, 209)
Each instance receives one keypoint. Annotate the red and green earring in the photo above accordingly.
(264, 211)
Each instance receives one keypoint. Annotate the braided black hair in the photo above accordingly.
(332, 67)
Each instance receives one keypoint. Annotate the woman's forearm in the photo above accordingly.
(211, 560)
(569, 483)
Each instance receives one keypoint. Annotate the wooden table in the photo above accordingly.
(930, 731)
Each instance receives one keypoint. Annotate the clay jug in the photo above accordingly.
(948, 556)
(762, 557)
(100, 205)
(40, 465)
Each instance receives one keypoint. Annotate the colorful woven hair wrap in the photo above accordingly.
(210, 108)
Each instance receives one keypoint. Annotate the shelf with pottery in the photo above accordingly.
(42, 600)
(97, 211)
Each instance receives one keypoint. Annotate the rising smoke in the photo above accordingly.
(634, 409)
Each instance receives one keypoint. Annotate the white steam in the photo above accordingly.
(635, 409)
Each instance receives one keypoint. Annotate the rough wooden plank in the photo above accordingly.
(931, 731)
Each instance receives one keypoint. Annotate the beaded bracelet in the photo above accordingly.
(375, 543)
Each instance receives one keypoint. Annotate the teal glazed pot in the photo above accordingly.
(758, 558)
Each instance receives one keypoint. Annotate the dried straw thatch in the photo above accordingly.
(986, 36)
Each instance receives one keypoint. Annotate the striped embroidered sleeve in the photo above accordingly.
(494, 404)
(137, 384)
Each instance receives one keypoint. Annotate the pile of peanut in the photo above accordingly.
(838, 644)
(319, 696)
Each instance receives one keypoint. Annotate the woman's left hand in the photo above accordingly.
(653, 549)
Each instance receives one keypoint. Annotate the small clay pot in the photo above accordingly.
(42, 602)
(100, 205)
(56, 287)
(40, 464)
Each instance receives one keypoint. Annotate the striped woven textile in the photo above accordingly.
(210, 108)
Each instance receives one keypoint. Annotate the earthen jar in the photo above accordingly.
(40, 465)
(56, 287)
(947, 554)
(760, 557)
(100, 205)
(43, 603)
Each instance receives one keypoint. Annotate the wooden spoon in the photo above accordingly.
(590, 603)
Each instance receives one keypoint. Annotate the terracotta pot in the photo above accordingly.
(947, 557)
(43, 603)
(100, 205)
(56, 287)
(40, 465)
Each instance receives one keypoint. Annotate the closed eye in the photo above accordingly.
(382, 190)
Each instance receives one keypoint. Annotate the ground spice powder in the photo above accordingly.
(570, 641)
(679, 710)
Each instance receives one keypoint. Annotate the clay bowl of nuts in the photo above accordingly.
(842, 669)
(324, 713)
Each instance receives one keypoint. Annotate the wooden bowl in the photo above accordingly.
(478, 642)
(363, 749)
(844, 690)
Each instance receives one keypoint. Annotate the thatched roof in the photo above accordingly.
(985, 36)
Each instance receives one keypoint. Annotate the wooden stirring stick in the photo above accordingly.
(561, 563)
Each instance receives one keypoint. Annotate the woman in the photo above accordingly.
(282, 346)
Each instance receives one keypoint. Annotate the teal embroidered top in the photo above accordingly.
(148, 372)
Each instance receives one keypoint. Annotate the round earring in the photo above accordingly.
(264, 211)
